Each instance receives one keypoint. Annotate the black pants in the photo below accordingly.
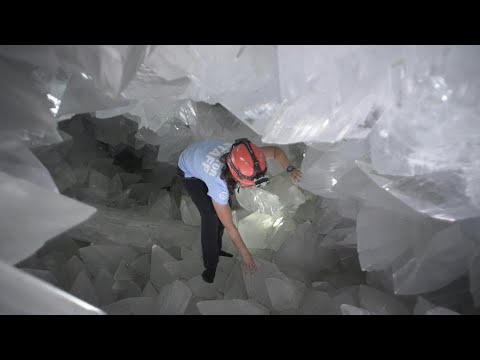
(212, 227)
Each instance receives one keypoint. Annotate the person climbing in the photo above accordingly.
(211, 171)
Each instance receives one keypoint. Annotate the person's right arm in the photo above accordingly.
(225, 215)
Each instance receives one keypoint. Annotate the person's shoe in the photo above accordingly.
(208, 275)
(223, 253)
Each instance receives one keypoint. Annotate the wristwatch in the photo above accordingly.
(290, 168)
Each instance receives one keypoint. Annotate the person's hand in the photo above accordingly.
(296, 176)
(249, 263)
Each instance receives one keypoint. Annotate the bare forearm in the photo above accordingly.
(237, 240)
(281, 157)
(274, 152)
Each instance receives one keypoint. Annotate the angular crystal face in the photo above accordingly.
(230, 307)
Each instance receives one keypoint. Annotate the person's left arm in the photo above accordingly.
(274, 152)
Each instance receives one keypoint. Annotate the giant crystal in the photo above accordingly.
(257, 199)
(322, 169)
(135, 228)
(380, 303)
(327, 92)
(445, 198)
(443, 259)
(108, 257)
(189, 211)
(34, 216)
(173, 299)
(84, 289)
(302, 256)
(131, 306)
(353, 310)
(27, 110)
(111, 67)
(418, 249)
(235, 285)
(230, 307)
(475, 278)
(61, 172)
(241, 77)
(18, 161)
(433, 126)
(255, 229)
(317, 303)
(204, 290)
(256, 283)
(23, 294)
(284, 295)
(103, 284)
(279, 194)
(159, 276)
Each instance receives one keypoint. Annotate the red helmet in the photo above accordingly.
(247, 163)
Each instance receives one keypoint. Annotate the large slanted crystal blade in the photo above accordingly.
(32, 216)
(256, 283)
(23, 294)
(173, 299)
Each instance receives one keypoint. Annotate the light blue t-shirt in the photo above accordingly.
(200, 160)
